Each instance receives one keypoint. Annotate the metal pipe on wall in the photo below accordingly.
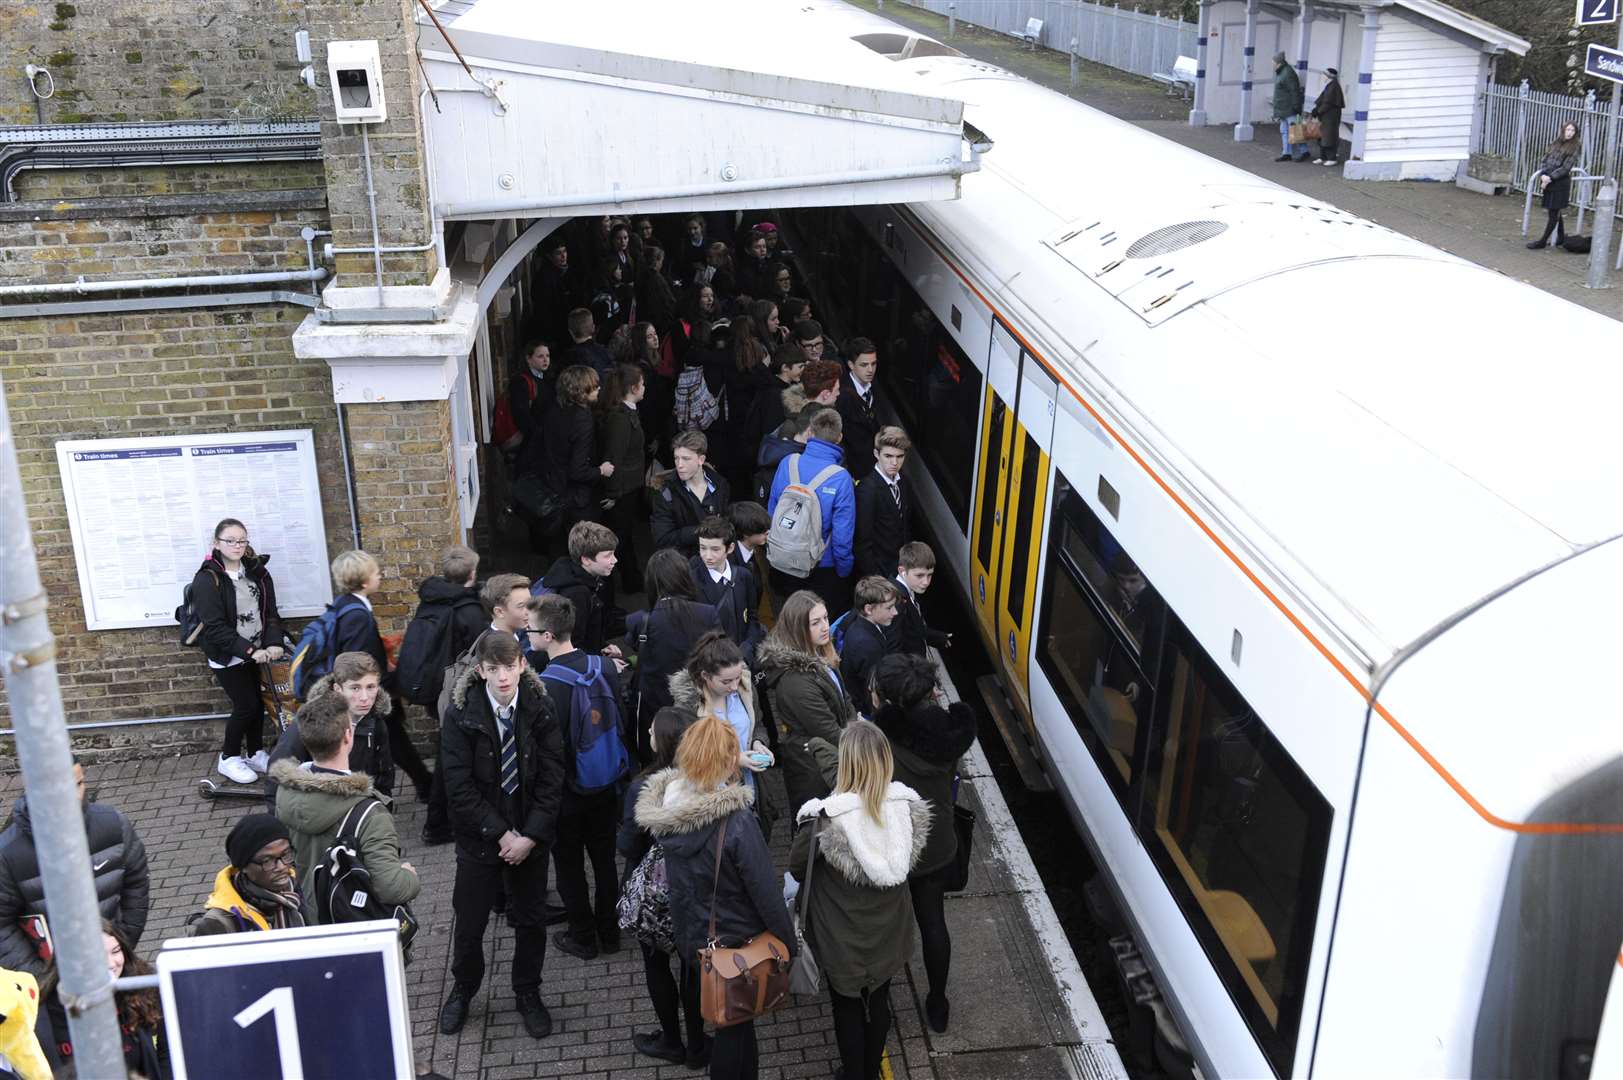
(28, 653)
(80, 286)
(372, 206)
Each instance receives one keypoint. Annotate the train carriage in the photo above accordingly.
(1293, 539)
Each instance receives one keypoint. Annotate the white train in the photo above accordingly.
(1295, 540)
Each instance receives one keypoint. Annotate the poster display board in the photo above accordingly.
(141, 511)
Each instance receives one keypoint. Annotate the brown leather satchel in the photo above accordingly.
(737, 985)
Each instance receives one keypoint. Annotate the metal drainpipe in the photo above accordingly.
(99, 725)
(81, 287)
(372, 206)
(349, 480)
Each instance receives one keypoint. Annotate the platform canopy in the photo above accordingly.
(615, 106)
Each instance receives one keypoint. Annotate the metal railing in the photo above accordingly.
(1520, 123)
(1141, 42)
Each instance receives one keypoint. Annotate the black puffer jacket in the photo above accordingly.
(926, 742)
(677, 512)
(597, 620)
(214, 598)
(685, 821)
(117, 857)
(470, 765)
(371, 753)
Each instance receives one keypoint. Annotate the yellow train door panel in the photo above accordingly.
(1024, 507)
(986, 533)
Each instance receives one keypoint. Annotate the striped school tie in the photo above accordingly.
(504, 723)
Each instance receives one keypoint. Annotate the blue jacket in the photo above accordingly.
(836, 496)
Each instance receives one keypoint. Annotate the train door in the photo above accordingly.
(991, 480)
(1030, 441)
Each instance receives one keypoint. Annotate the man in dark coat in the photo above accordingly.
(117, 858)
(558, 288)
(686, 495)
(1327, 108)
(502, 752)
(867, 638)
(915, 569)
(856, 405)
(1287, 106)
(583, 576)
(728, 587)
(884, 506)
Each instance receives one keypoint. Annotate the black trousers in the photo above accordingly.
(665, 991)
(586, 828)
(830, 587)
(622, 517)
(860, 1027)
(477, 886)
(734, 1056)
(245, 730)
(930, 912)
(405, 752)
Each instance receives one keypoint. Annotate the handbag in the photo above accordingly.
(806, 977)
(1298, 131)
(644, 907)
(737, 985)
(1312, 129)
(535, 500)
(963, 826)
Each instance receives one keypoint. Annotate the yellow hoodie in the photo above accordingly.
(226, 898)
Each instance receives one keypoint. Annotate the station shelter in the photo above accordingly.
(1413, 72)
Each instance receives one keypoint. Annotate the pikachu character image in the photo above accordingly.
(19, 1007)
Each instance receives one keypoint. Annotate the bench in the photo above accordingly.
(1180, 78)
(1034, 33)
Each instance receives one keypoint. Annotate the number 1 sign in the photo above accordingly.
(258, 1006)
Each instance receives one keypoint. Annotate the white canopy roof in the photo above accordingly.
(623, 105)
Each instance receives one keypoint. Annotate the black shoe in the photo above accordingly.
(436, 837)
(454, 1013)
(698, 1057)
(566, 941)
(425, 790)
(607, 944)
(653, 1044)
(537, 1020)
(556, 913)
(1535, 245)
(1283, 157)
(936, 1009)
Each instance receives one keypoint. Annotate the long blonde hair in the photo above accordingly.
(866, 766)
(793, 628)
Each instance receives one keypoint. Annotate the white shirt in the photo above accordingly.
(745, 552)
(723, 575)
(362, 598)
(892, 483)
(497, 708)
(863, 389)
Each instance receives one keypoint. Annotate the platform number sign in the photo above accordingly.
(1597, 12)
(286, 1004)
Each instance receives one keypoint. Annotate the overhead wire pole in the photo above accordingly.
(28, 653)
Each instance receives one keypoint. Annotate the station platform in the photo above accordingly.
(1021, 1007)
(1485, 229)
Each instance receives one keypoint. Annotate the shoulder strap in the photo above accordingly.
(828, 471)
(594, 669)
(794, 468)
(349, 829)
(715, 882)
(811, 868)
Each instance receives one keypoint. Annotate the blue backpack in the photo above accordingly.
(601, 760)
(317, 649)
(539, 588)
(836, 632)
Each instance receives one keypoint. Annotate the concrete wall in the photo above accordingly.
(127, 60)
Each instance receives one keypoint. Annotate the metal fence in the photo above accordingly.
(1520, 123)
(1142, 42)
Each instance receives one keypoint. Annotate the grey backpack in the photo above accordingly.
(794, 543)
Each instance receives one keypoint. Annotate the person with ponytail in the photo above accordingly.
(699, 811)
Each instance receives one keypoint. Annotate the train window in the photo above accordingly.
(1084, 648)
(937, 393)
(987, 524)
(1030, 459)
(1239, 834)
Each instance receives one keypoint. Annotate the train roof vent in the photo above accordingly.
(1170, 238)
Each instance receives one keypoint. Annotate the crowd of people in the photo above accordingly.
(680, 430)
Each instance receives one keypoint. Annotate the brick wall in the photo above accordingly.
(153, 373)
(128, 60)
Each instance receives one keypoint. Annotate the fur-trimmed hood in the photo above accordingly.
(672, 809)
(382, 706)
(878, 855)
(940, 736)
(794, 399)
(312, 803)
(529, 680)
(773, 654)
(685, 694)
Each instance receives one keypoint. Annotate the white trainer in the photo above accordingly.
(259, 762)
(235, 769)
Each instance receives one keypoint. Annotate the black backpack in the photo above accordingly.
(191, 627)
(342, 886)
(425, 652)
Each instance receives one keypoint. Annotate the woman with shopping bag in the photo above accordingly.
(857, 913)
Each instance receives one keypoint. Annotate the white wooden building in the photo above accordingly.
(1412, 72)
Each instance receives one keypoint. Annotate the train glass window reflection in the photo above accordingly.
(937, 392)
(1030, 460)
(986, 526)
(1239, 834)
(1132, 602)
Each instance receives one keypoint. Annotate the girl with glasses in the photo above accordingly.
(235, 599)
